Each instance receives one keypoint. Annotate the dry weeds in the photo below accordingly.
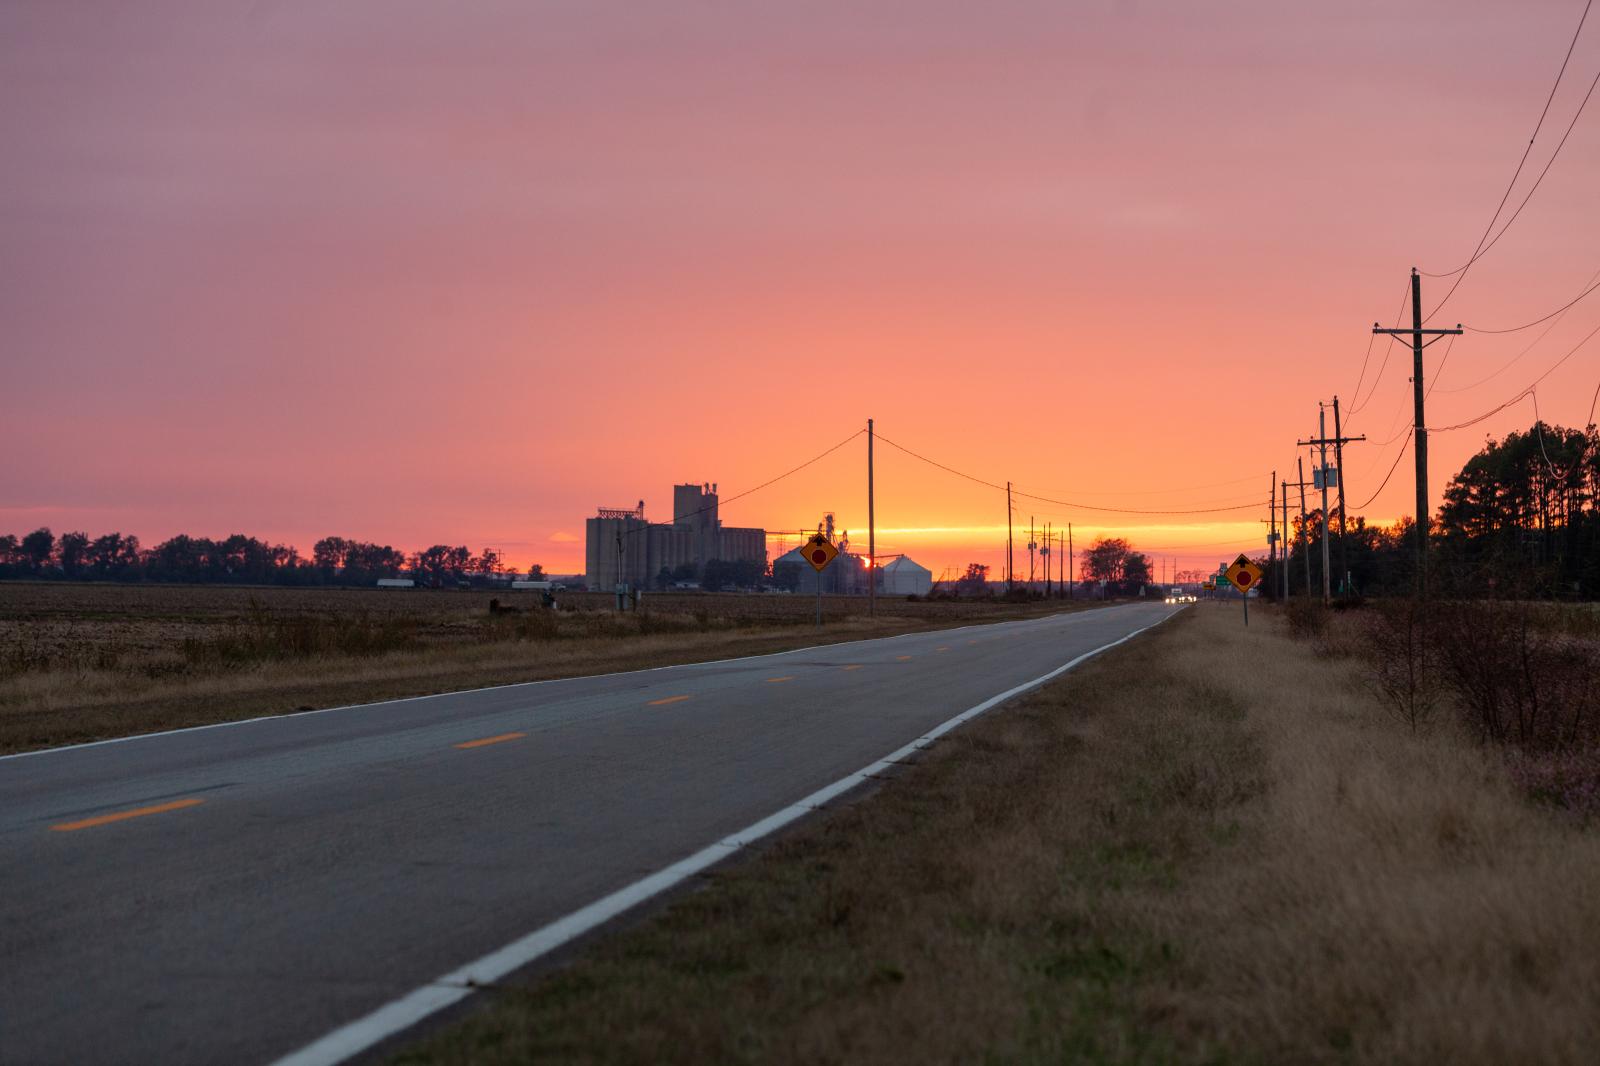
(1209, 845)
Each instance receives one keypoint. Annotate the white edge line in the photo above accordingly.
(528, 684)
(408, 1010)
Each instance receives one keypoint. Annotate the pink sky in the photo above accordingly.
(461, 273)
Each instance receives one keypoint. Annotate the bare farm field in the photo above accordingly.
(88, 661)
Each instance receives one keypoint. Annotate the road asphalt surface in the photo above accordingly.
(231, 894)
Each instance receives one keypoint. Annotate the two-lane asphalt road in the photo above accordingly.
(234, 893)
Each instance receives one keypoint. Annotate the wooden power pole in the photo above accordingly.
(1008, 537)
(1272, 518)
(1420, 425)
(872, 536)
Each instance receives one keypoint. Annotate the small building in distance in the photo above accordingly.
(621, 546)
(905, 577)
(846, 575)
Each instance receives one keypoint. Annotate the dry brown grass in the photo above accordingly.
(84, 662)
(1209, 845)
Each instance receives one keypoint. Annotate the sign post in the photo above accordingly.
(819, 553)
(1244, 576)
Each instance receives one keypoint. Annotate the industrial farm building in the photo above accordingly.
(623, 547)
(905, 577)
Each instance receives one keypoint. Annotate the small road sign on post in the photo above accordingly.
(1244, 576)
(819, 552)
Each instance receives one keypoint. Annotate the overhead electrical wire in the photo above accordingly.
(1538, 429)
(1592, 286)
(1513, 360)
(1525, 392)
(1480, 250)
(1548, 164)
(1062, 503)
(1357, 402)
(1355, 393)
(1398, 456)
(770, 481)
(1434, 380)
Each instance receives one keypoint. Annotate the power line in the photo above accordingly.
(1398, 456)
(1440, 369)
(1538, 429)
(1548, 164)
(1525, 392)
(1387, 352)
(1558, 311)
(1516, 358)
(1062, 503)
(770, 481)
(1356, 392)
(1478, 252)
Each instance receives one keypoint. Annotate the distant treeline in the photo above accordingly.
(1521, 518)
(237, 560)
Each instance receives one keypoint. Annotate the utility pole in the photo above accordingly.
(1420, 425)
(1033, 545)
(1344, 540)
(1008, 536)
(1272, 517)
(1320, 477)
(872, 536)
(1045, 551)
(1283, 502)
(1305, 549)
(1071, 592)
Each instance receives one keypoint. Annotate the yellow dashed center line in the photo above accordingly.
(941, 649)
(775, 680)
(122, 816)
(669, 699)
(901, 658)
(852, 666)
(486, 741)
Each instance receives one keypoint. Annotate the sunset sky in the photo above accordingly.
(418, 272)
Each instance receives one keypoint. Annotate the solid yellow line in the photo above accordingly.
(775, 680)
(501, 739)
(669, 699)
(122, 816)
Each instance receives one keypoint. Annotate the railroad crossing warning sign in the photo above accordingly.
(819, 552)
(1243, 574)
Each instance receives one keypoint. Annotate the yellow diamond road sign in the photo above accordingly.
(819, 553)
(1243, 574)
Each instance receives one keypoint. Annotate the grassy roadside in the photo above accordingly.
(185, 657)
(1205, 846)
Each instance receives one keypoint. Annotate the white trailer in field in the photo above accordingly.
(396, 583)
